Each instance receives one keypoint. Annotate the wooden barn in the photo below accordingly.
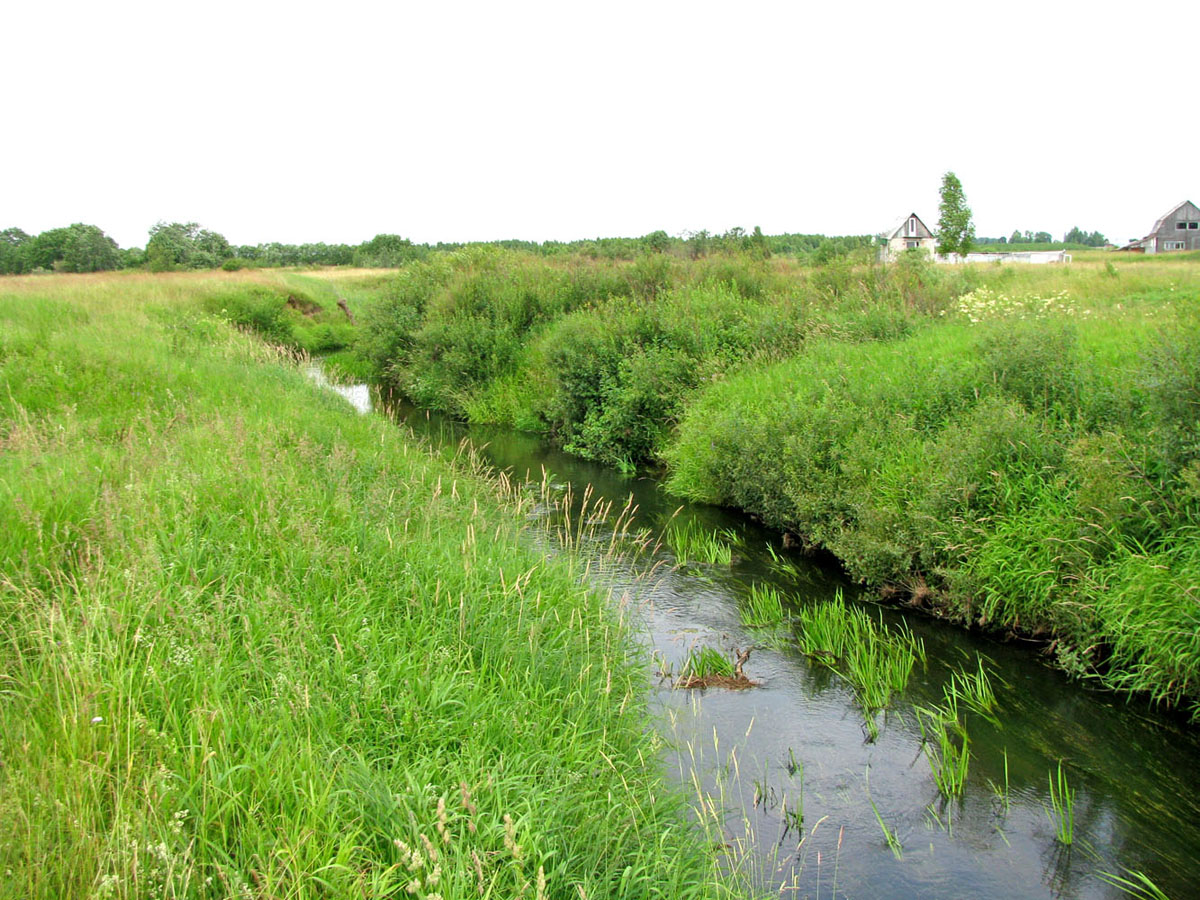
(909, 233)
(1178, 229)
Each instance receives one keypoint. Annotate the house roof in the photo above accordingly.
(895, 230)
(1168, 214)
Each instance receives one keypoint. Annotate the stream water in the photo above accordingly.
(802, 790)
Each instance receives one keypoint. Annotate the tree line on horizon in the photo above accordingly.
(1075, 236)
(178, 246)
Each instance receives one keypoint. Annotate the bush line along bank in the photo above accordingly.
(1011, 447)
(253, 644)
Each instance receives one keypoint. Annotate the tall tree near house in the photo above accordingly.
(956, 231)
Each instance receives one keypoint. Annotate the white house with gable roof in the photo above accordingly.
(909, 233)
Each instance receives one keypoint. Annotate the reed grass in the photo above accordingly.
(705, 662)
(974, 690)
(255, 644)
(890, 835)
(946, 741)
(756, 862)
(1001, 791)
(876, 660)
(762, 607)
(947, 749)
(691, 542)
(1062, 807)
(1137, 884)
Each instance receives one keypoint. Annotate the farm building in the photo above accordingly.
(1178, 229)
(909, 233)
(1033, 257)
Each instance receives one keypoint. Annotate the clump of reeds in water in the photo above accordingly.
(1062, 807)
(876, 660)
(889, 832)
(762, 607)
(691, 542)
(947, 748)
(943, 726)
(973, 690)
(709, 667)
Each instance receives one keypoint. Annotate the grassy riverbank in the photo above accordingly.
(1011, 447)
(253, 644)
(1033, 457)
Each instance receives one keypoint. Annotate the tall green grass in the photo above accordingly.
(875, 659)
(948, 751)
(255, 644)
(691, 542)
(605, 355)
(1020, 439)
(763, 607)
(1032, 454)
(1062, 807)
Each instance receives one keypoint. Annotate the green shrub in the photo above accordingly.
(260, 308)
(1036, 362)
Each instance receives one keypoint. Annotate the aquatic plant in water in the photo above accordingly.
(947, 749)
(763, 607)
(1062, 807)
(973, 690)
(708, 667)
(692, 542)
(889, 834)
(876, 660)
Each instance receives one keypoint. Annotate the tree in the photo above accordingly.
(47, 248)
(89, 249)
(956, 231)
(13, 258)
(657, 242)
(385, 251)
(757, 244)
(185, 245)
(1078, 236)
(698, 243)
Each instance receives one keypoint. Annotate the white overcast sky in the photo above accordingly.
(334, 121)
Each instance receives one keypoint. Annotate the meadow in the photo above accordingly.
(1013, 448)
(253, 644)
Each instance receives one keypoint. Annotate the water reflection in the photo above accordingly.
(359, 395)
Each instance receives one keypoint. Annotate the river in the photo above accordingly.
(802, 790)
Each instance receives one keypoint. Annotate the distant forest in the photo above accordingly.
(1076, 236)
(185, 245)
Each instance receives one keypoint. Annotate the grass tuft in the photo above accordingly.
(762, 607)
(1062, 807)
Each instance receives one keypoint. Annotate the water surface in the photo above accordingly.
(796, 745)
